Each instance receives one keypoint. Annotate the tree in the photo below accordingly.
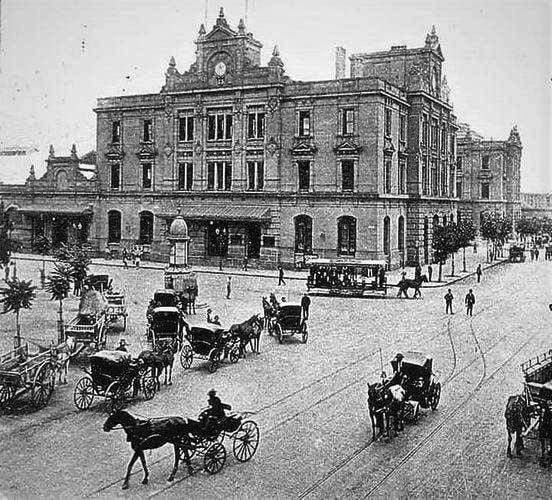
(466, 234)
(452, 242)
(42, 246)
(17, 295)
(441, 247)
(58, 285)
(79, 261)
(495, 229)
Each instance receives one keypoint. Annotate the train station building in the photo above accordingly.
(260, 165)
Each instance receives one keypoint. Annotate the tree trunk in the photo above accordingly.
(464, 260)
(61, 334)
(440, 270)
(43, 273)
(17, 340)
(452, 264)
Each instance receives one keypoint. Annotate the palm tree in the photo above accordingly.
(58, 285)
(17, 295)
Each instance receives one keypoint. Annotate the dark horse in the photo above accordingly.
(416, 283)
(517, 420)
(159, 360)
(154, 433)
(248, 332)
(383, 407)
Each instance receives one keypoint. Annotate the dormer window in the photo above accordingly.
(304, 123)
(147, 135)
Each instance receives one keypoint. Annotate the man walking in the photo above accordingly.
(429, 272)
(305, 304)
(418, 272)
(281, 276)
(228, 287)
(470, 301)
(478, 272)
(448, 301)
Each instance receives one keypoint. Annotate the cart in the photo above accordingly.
(288, 322)
(89, 327)
(116, 307)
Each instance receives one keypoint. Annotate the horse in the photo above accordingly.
(386, 403)
(517, 419)
(416, 283)
(64, 352)
(377, 409)
(159, 360)
(396, 397)
(248, 332)
(154, 433)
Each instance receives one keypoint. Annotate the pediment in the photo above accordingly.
(220, 33)
(146, 151)
(303, 148)
(114, 152)
(347, 147)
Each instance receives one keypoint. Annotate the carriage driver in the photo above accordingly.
(215, 413)
(398, 377)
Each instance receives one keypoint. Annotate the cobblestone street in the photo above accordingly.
(309, 400)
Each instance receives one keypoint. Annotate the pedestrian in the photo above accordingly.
(122, 346)
(532, 251)
(536, 254)
(125, 258)
(429, 272)
(244, 264)
(13, 266)
(417, 272)
(382, 277)
(281, 280)
(228, 287)
(209, 318)
(474, 247)
(305, 304)
(478, 272)
(470, 301)
(216, 321)
(448, 301)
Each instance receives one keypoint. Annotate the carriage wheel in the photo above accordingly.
(84, 393)
(215, 458)
(214, 362)
(43, 385)
(149, 386)
(186, 357)
(279, 334)
(246, 441)
(304, 333)
(7, 393)
(234, 354)
(116, 396)
(435, 395)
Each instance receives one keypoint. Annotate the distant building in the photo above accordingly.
(536, 204)
(488, 178)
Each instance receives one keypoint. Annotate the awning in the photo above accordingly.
(221, 212)
(41, 209)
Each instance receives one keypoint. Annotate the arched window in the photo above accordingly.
(113, 226)
(303, 234)
(426, 240)
(146, 228)
(387, 235)
(346, 235)
(400, 238)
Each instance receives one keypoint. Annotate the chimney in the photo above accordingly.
(340, 62)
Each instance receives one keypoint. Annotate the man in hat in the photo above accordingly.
(215, 414)
(209, 318)
(122, 346)
(396, 364)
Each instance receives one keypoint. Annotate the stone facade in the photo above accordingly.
(536, 204)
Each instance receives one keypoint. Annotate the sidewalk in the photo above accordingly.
(393, 277)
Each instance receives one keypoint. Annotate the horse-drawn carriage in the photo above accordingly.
(209, 342)
(288, 321)
(165, 325)
(89, 327)
(517, 253)
(22, 372)
(115, 376)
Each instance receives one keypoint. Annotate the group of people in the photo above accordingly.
(346, 277)
(469, 302)
(212, 319)
(535, 253)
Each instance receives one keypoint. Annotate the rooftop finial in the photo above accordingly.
(31, 173)
(74, 151)
(276, 60)
(221, 20)
(172, 62)
(276, 51)
(241, 26)
(202, 30)
(51, 153)
(433, 30)
(432, 40)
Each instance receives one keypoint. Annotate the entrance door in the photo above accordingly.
(253, 241)
(59, 231)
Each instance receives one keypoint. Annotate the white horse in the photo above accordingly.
(64, 352)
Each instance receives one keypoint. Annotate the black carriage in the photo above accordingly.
(243, 434)
(116, 377)
(166, 298)
(98, 282)
(166, 324)
(419, 383)
(517, 253)
(289, 320)
(209, 342)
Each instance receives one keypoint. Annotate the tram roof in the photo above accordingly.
(346, 262)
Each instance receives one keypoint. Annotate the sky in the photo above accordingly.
(58, 56)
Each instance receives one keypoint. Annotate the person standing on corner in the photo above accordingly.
(470, 301)
(478, 272)
(228, 287)
(281, 280)
(448, 301)
(305, 304)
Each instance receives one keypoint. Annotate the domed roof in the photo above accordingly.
(179, 228)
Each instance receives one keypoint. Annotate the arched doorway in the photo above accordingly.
(387, 237)
(346, 235)
(113, 226)
(146, 228)
(303, 234)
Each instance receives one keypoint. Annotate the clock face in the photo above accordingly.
(220, 68)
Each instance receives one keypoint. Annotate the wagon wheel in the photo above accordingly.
(304, 333)
(149, 386)
(246, 440)
(115, 394)
(235, 354)
(84, 393)
(214, 361)
(279, 333)
(7, 393)
(215, 458)
(435, 395)
(43, 385)
(186, 357)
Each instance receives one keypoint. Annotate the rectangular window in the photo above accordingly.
(434, 173)
(219, 176)
(348, 122)
(185, 176)
(348, 175)
(451, 181)
(459, 189)
(255, 175)
(459, 163)
(255, 125)
(147, 135)
(304, 175)
(484, 190)
(485, 162)
(425, 127)
(444, 136)
(434, 133)
(146, 175)
(116, 132)
(387, 122)
(402, 128)
(269, 241)
(387, 175)
(402, 177)
(304, 123)
(452, 144)
(219, 126)
(425, 176)
(444, 180)
(186, 128)
(115, 176)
